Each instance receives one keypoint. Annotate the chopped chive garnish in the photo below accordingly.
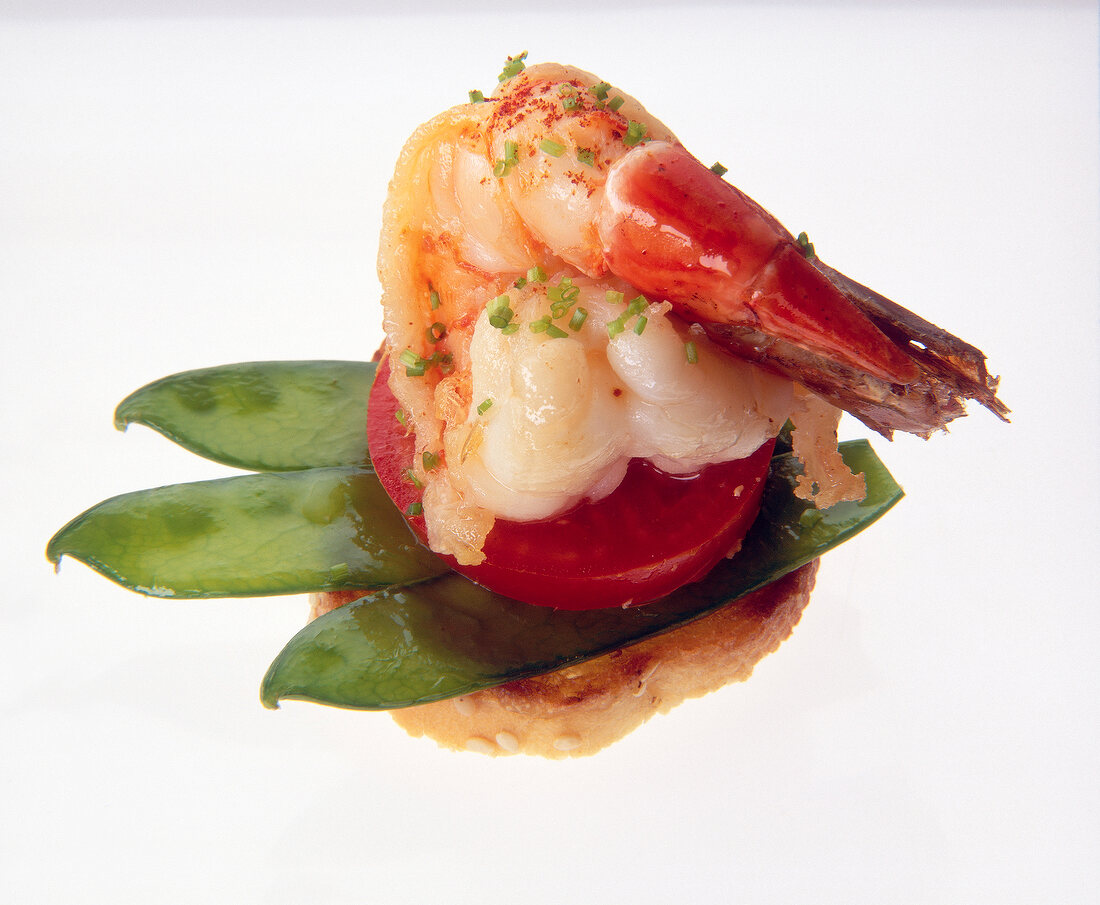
(569, 98)
(616, 102)
(562, 297)
(414, 509)
(414, 364)
(476, 97)
(639, 325)
(540, 325)
(578, 318)
(509, 329)
(561, 308)
(806, 246)
(536, 275)
(613, 297)
(600, 89)
(411, 477)
(485, 406)
(431, 460)
(444, 362)
(586, 156)
(520, 282)
(436, 332)
(637, 305)
(691, 352)
(500, 312)
(553, 330)
(434, 297)
(401, 417)
(513, 66)
(717, 169)
(511, 157)
(551, 147)
(635, 132)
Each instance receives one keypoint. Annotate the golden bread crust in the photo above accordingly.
(581, 709)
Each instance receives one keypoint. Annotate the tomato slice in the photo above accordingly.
(655, 533)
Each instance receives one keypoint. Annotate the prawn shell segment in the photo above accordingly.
(677, 231)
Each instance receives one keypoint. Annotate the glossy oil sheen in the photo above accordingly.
(448, 636)
(250, 535)
(262, 416)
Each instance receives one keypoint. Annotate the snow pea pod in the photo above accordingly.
(263, 415)
(250, 535)
(447, 636)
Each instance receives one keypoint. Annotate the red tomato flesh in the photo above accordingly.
(655, 533)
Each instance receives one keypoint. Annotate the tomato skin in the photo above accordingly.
(655, 533)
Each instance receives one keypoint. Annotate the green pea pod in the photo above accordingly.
(448, 636)
(261, 416)
(250, 535)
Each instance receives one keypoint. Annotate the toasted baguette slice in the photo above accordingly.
(583, 708)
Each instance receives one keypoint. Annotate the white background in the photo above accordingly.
(181, 189)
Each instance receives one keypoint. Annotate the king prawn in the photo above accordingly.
(593, 340)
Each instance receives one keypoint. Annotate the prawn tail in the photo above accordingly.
(949, 370)
(727, 264)
(676, 230)
(941, 356)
